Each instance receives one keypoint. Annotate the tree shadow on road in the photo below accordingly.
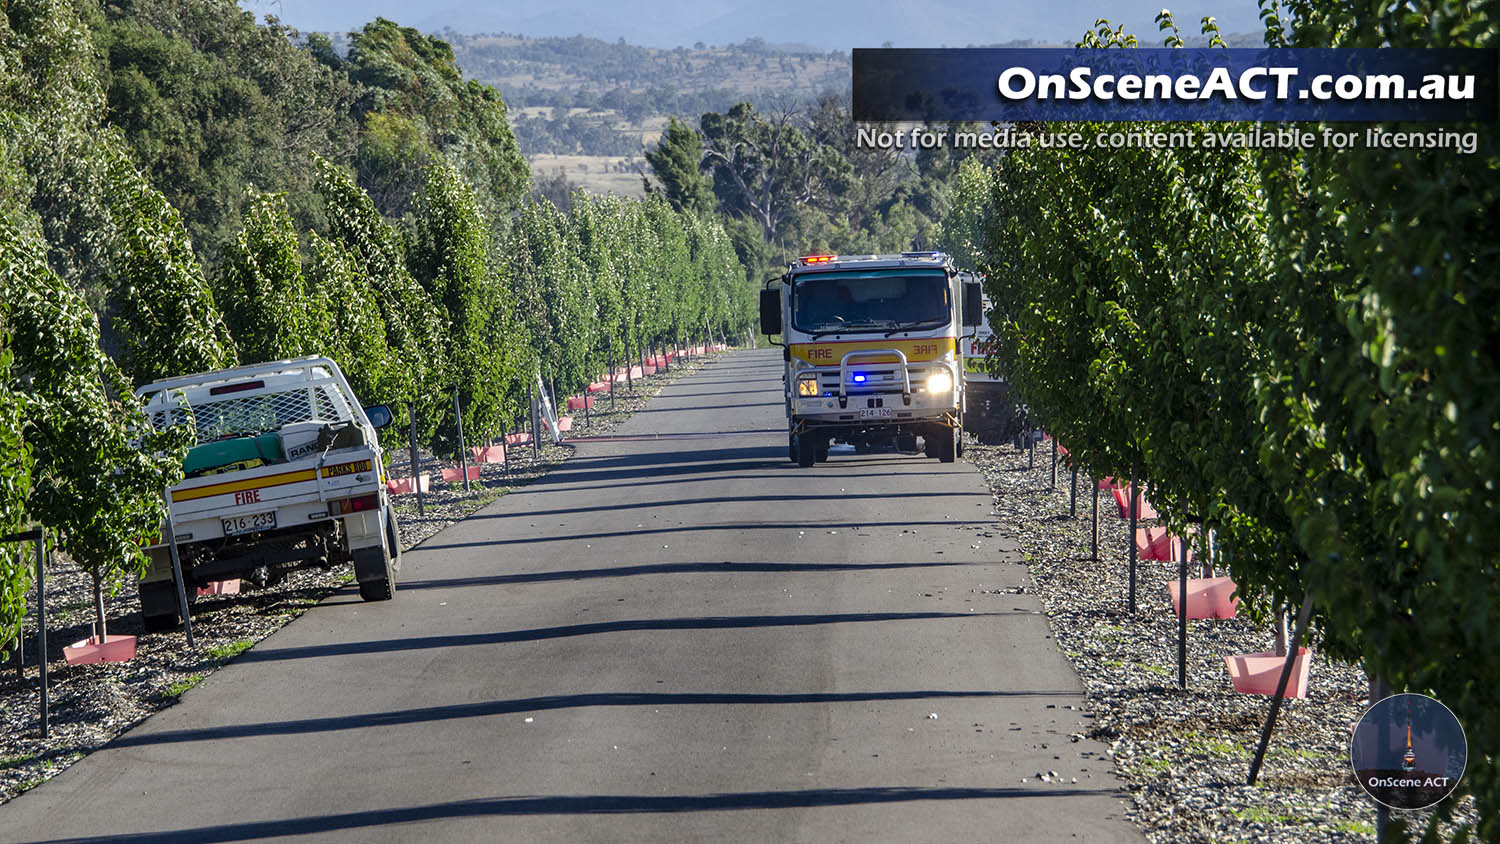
(582, 804)
(537, 634)
(481, 709)
(661, 568)
(727, 526)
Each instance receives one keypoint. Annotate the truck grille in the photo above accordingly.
(878, 379)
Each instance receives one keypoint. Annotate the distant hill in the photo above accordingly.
(587, 107)
(584, 96)
(832, 25)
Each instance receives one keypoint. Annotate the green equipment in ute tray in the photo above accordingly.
(265, 448)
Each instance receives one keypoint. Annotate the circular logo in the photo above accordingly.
(1408, 751)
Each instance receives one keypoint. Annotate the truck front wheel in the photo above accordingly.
(947, 444)
(807, 450)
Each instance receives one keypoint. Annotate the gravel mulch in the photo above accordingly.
(91, 704)
(1184, 754)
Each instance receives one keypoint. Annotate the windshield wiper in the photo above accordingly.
(916, 326)
(852, 328)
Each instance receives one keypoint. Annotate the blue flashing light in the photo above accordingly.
(859, 378)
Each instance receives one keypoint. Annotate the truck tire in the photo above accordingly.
(930, 441)
(159, 606)
(393, 536)
(791, 447)
(373, 569)
(807, 451)
(821, 454)
(947, 444)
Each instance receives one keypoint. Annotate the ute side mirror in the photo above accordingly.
(379, 416)
(770, 311)
(973, 305)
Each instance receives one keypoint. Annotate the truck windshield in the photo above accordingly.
(870, 300)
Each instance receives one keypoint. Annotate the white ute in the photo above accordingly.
(285, 473)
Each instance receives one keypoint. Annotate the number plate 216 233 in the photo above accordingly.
(249, 524)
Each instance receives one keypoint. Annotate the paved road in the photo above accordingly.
(673, 638)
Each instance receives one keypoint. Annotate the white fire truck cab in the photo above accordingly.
(871, 350)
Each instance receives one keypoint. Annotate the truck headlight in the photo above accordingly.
(940, 382)
(807, 385)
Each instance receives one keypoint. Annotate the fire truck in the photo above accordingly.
(871, 351)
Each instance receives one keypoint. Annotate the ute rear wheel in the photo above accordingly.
(393, 537)
(375, 567)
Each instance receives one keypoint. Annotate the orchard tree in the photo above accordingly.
(449, 256)
(415, 328)
(166, 318)
(260, 283)
(100, 469)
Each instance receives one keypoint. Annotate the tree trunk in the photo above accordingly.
(98, 607)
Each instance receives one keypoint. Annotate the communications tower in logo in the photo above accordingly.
(1387, 768)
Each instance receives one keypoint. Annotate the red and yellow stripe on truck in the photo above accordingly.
(829, 353)
(247, 491)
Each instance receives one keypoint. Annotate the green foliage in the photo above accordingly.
(676, 160)
(51, 108)
(208, 110)
(99, 469)
(166, 318)
(414, 326)
(450, 257)
(1296, 346)
(347, 321)
(766, 168)
(414, 102)
(266, 301)
(791, 182)
(210, 102)
(553, 303)
(15, 487)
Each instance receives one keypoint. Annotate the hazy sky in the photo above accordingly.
(836, 24)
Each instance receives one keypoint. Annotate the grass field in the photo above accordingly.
(598, 173)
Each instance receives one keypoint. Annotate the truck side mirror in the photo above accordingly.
(379, 415)
(973, 304)
(770, 311)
